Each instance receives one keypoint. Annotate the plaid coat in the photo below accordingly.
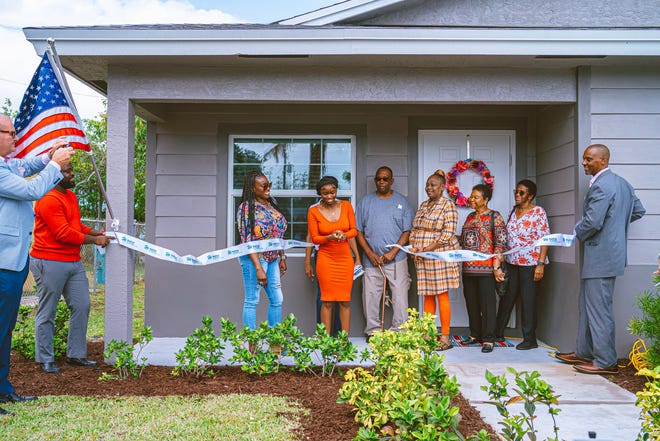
(435, 221)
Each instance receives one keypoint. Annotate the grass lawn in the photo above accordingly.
(235, 417)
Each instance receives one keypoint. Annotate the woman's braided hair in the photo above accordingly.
(248, 196)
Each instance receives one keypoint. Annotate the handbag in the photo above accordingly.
(501, 288)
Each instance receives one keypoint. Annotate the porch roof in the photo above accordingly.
(86, 52)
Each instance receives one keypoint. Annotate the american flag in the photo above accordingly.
(45, 115)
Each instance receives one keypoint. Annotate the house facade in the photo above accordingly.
(526, 84)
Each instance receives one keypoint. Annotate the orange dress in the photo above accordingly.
(334, 261)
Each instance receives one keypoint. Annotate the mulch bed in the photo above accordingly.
(327, 420)
(627, 378)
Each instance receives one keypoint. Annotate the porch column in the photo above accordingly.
(119, 260)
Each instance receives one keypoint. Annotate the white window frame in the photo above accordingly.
(232, 193)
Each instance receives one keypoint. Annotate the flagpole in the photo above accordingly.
(55, 59)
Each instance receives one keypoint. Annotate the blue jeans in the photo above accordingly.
(252, 290)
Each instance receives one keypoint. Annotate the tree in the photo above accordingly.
(87, 189)
(8, 109)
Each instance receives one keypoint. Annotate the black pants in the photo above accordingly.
(521, 284)
(479, 292)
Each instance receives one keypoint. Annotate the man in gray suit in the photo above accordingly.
(16, 221)
(609, 208)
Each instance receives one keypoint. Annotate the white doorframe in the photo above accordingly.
(442, 149)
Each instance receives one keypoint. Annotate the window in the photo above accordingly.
(293, 165)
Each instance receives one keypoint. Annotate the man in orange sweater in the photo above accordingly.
(57, 269)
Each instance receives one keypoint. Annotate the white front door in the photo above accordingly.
(441, 149)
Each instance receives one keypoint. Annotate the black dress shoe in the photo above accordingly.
(487, 347)
(526, 345)
(15, 398)
(81, 362)
(50, 368)
(5, 412)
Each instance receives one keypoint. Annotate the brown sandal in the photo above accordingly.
(444, 342)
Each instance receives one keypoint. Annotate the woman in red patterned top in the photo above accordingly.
(479, 276)
(527, 223)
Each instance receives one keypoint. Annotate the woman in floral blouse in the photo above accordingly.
(527, 223)
(259, 218)
(483, 231)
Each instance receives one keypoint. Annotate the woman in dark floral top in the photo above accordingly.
(479, 276)
(259, 218)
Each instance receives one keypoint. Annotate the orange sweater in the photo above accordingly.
(58, 231)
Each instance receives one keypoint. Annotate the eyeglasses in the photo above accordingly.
(519, 192)
(11, 133)
(377, 179)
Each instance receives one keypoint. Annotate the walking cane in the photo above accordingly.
(382, 308)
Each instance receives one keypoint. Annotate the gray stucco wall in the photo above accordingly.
(556, 177)
(525, 13)
(281, 84)
(196, 111)
(625, 116)
(177, 297)
(619, 108)
(190, 213)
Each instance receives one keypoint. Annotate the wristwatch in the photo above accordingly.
(496, 268)
(283, 256)
(540, 263)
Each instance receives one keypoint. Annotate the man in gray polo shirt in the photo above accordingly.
(384, 217)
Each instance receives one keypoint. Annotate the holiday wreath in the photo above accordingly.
(469, 164)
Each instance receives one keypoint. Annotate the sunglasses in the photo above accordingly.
(377, 179)
(519, 192)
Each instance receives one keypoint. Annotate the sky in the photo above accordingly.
(19, 60)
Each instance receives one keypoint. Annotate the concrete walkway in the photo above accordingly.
(587, 402)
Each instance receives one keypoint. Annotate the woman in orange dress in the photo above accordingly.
(331, 223)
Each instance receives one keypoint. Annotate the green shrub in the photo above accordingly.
(23, 336)
(202, 350)
(648, 400)
(648, 325)
(127, 363)
(260, 350)
(530, 390)
(329, 350)
(408, 393)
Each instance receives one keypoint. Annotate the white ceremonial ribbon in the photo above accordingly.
(358, 271)
(257, 246)
(552, 240)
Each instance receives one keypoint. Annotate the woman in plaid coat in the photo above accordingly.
(434, 229)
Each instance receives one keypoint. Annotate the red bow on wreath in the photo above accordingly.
(461, 166)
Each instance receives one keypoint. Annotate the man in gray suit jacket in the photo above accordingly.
(16, 222)
(609, 208)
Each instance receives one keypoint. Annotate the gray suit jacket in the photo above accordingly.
(16, 214)
(609, 208)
